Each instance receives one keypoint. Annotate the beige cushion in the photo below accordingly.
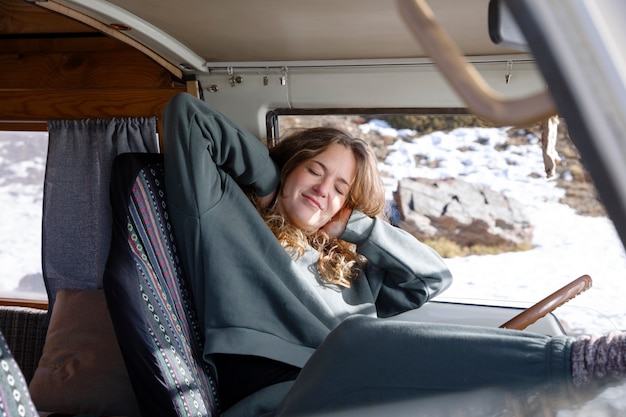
(81, 370)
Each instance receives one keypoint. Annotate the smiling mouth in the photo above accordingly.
(312, 202)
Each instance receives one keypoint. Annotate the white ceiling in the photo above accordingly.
(294, 30)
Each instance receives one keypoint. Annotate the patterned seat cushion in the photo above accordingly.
(15, 399)
(151, 309)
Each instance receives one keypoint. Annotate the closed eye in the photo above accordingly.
(318, 169)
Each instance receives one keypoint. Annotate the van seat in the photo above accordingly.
(15, 398)
(146, 291)
(24, 329)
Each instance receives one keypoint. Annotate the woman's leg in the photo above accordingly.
(369, 361)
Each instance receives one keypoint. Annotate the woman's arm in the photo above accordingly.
(202, 146)
(402, 272)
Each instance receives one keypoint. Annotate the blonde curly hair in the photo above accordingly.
(338, 263)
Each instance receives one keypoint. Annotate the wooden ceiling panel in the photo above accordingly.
(54, 67)
(21, 18)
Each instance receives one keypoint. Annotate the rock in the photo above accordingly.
(461, 212)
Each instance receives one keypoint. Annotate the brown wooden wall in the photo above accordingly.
(54, 67)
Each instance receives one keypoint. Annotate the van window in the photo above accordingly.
(571, 232)
(22, 168)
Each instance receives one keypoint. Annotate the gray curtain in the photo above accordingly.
(76, 212)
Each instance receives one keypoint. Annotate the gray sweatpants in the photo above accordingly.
(368, 361)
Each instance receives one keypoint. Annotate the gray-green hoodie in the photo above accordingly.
(251, 296)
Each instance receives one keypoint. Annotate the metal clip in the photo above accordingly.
(507, 77)
(235, 79)
(266, 78)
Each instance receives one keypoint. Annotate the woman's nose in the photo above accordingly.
(322, 188)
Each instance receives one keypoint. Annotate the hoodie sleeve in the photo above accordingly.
(403, 273)
(202, 148)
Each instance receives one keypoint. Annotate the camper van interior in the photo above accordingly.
(84, 81)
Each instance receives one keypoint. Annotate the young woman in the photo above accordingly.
(292, 267)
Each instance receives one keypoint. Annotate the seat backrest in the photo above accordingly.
(151, 309)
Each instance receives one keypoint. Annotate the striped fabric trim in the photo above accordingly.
(173, 325)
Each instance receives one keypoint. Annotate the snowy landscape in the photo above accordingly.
(22, 165)
(565, 245)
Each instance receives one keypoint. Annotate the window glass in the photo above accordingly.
(22, 167)
(569, 233)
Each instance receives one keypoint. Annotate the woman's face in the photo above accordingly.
(318, 188)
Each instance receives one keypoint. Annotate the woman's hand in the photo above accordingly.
(337, 224)
(266, 200)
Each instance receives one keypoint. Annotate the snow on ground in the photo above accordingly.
(22, 164)
(566, 245)
(20, 228)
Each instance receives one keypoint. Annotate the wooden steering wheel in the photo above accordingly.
(548, 304)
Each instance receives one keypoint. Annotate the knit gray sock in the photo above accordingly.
(595, 357)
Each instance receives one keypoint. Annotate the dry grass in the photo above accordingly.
(449, 249)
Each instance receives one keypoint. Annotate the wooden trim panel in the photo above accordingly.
(16, 302)
(42, 105)
(60, 64)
